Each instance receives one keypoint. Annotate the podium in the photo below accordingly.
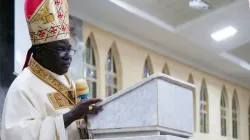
(159, 107)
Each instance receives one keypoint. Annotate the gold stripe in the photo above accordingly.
(36, 11)
(49, 79)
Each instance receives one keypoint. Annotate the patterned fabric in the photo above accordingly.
(67, 93)
(48, 20)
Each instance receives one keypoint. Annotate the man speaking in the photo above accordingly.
(41, 103)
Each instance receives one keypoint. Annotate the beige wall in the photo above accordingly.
(132, 58)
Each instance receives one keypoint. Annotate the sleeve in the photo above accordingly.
(22, 121)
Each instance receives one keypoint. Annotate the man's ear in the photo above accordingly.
(38, 52)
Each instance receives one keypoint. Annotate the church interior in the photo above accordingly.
(121, 42)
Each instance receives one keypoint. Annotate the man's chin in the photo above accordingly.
(63, 71)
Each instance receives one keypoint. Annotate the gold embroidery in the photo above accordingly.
(53, 100)
(68, 94)
(50, 22)
(59, 101)
(44, 12)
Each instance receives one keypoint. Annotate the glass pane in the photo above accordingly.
(225, 127)
(115, 90)
(108, 91)
(205, 123)
(148, 67)
(88, 54)
(205, 95)
(90, 88)
(88, 72)
(233, 129)
(114, 81)
(93, 57)
(109, 79)
(108, 64)
(201, 122)
(236, 130)
(222, 101)
(91, 73)
(94, 94)
(165, 70)
(201, 96)
(222, 132)
(94, 74)
(234, 104)
(88, 42)
(145, 70)
(114, 66)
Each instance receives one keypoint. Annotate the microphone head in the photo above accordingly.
(81, 87)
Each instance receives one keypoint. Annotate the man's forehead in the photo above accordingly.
(60, 43)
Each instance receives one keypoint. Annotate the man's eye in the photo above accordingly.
(60, 49)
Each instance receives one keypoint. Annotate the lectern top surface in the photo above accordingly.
(160, 76)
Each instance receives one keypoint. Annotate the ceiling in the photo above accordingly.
(242, 52)
(174, 12)
(171, 28)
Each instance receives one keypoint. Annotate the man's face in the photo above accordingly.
(56, 56)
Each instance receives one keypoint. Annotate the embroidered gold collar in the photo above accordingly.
(48, 78)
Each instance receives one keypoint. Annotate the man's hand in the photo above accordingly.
(80, 110)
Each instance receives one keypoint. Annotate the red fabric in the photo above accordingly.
(27, 58)
(30, 7)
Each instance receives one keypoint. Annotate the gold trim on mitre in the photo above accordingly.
(50, 22)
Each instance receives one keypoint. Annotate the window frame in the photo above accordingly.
(224, 113)
(204, 109)
(235, 116)
(111, 73)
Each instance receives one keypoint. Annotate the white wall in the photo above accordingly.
(132, 58)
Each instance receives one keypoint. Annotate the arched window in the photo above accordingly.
(111, 74)
(90, 66)
(224, 111)
(166, 69)
(148, 70)
(191, 80)
(235, 115)
(204, 108)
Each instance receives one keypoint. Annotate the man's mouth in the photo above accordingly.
(66, 64)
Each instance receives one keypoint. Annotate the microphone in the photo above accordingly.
(82, 92)
(82, 89)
